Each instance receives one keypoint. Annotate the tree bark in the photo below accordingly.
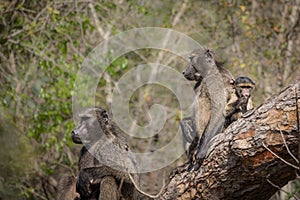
(250, 160)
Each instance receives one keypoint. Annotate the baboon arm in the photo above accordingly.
(202, 113)
(231, 106)
(250, 104)
(210, 132)
(188, 130)
(89, 176)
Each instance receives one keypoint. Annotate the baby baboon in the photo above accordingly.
(242, 101)
(214, 92)
(244, 86)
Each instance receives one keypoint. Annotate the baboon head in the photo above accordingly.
(190, 72)
(200, 64)
(244, 86)
(89, 130)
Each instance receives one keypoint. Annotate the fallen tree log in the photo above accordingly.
(252, 159)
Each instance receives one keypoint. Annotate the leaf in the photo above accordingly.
(243, 8)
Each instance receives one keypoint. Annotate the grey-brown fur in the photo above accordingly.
(209, 105)
(66, 189)
(106, 145)
(102, 139)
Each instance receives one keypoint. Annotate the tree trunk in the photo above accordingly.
(250, 160)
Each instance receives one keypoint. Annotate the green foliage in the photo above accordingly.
(40, 69)
(118, 67)
(296, 190)
(16, 159)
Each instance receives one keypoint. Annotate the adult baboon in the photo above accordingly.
(193, 127)
(187, 125)
(108, 155)
(95, 179)
(104, 143)
(215, 90)
(67, 184)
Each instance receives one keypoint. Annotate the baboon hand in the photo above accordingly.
(244, 100)
(84, 184)
(199, 159)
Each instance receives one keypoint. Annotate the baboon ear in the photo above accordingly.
(208, 55)
(193, 59)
